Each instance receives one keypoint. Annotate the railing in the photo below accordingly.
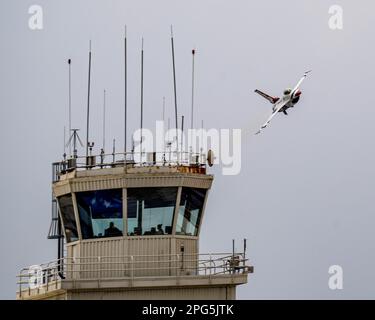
(130, 267)
(132, 159)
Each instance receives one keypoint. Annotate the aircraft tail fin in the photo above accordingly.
(271, 99)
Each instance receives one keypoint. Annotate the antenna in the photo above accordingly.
(104, 100)
(74, 138)
(164, 127)
(114, 150)
(169, 126)
(126, 91)
(64, 154)
(163, 110)
(233, 250)
(202, 136)
(182, 131)
(70, 103)
(141, 97)
(192, 90)
(88, 105)
(244, 248)
(174, 83)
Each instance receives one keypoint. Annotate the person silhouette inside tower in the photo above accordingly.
(160, 229)
(112, 231)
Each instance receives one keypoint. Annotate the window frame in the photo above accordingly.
(200, 216)
(78, 215)
(175, 216)
(175, 211)
(78, 230)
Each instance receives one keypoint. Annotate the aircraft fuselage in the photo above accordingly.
(293, 99)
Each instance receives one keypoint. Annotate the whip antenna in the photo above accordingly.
(141, 97)
(126, 91)
(70, 103)
(175, 89)
(104, 106)
(192, 89)
(88, 106)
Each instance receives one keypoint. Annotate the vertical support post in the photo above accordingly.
(210, 257)
(244, 252)
(176, 210)
(114, 151)
(20, 286)
(132, 269)
(182, 250)
(100, 267)
(232, 256)
(177, 268)
(76, 215)
(124, 212)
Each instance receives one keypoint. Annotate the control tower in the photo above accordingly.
(130, 230)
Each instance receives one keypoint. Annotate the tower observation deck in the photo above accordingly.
(130, 230)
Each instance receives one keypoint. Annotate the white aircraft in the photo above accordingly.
(289, 99)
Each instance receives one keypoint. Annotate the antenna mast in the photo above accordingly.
(70, 103)
(202, 136)
(164, 127)
(88, 106)
(163, 110)
(64, 154)
(104, 100)
(141, 97)
(192, 90)
(182, 133)
(126, 91)
(174, 83)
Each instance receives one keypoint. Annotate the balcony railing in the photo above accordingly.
(129, 159)
(130, 267)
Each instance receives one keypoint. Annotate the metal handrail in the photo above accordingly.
(134, 159)
(132, 267)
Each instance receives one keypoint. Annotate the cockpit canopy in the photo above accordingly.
(287, 91)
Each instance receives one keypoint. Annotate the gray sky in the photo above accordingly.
(304, 197)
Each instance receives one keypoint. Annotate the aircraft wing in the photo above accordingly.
(300, 81)
(278, 107)
(273, 100)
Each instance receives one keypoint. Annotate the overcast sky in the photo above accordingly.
(304, 196)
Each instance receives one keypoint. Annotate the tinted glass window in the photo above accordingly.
(100, 213)
(150, 210)
(190, 211)
(67, 214)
